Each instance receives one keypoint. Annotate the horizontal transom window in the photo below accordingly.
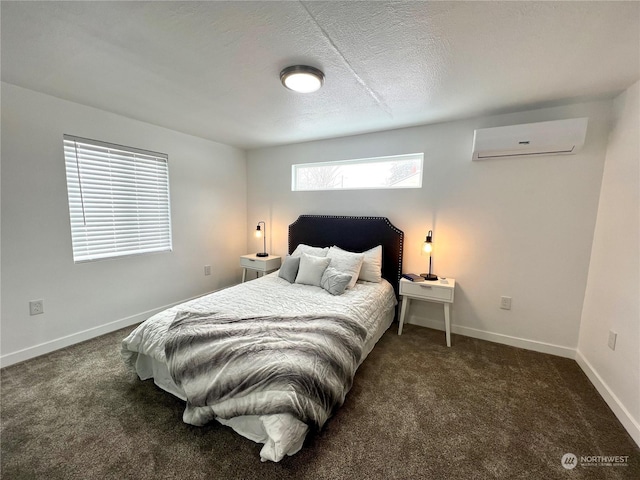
(398, 171)
(118, 199)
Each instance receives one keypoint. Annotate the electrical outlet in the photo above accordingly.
(505, 303)
(36, 307)
(612, 339)
(207, 269)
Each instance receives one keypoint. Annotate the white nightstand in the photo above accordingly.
(259, 264)
(437, 291)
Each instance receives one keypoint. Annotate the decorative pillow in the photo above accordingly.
(311, 269)
(289, 268)
(334, 281)
(346, 262)
(316, 251)
(371, 270)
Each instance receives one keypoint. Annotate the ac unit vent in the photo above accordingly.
(556, 137)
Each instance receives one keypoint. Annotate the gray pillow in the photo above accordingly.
(311, 269)
(289, 268)
(335, 282)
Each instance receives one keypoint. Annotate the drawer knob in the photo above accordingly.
(426, 286)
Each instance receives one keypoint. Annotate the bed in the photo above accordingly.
(242, 355)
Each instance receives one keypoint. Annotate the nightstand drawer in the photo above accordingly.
(263, 264)
(250, 263)
(427, 291)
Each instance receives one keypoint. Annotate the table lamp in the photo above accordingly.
(263, 234)
(427, 248)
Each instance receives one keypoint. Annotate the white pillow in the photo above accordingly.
(311, 269)
(371, 270)
(346, 262)
(316, 251)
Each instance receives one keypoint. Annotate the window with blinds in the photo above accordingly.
(118, 199)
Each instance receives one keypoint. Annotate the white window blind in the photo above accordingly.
(118, 199)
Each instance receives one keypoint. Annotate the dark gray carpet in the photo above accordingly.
(417, 409)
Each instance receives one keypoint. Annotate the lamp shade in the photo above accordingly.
(427, 246)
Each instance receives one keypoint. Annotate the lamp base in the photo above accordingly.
(262, 254)
(429, 276)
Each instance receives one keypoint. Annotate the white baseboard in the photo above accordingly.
(498, 338)
(628, 422)
(62, 342)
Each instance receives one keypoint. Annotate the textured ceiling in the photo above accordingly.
(211, 69)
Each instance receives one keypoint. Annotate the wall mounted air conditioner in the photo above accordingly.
(557, 137)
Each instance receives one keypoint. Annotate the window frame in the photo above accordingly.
(358, 161)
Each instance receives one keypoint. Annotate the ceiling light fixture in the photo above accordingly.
(302, 78)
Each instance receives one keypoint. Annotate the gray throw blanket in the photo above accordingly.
(301, 365)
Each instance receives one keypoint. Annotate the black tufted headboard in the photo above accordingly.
(355, 234)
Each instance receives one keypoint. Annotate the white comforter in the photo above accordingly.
(369, 304)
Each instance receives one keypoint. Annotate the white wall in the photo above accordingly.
(516, 227)
(612, 298)
(208, 209)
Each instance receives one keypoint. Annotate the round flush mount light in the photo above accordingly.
(302, 78)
